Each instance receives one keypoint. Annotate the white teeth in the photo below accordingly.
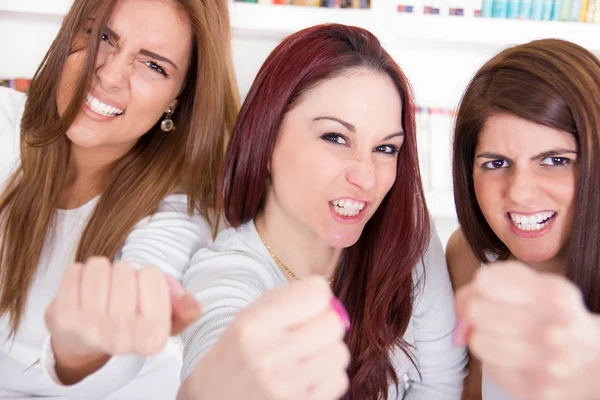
(348, 207)
(533, 222)
(101, 108)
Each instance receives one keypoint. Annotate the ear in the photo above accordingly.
(173, 105)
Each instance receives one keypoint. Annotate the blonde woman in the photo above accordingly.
(114, 153)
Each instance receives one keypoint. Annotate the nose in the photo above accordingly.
(362, 173)
(522, 188)
(112, 71)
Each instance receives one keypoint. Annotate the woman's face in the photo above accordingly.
(335, 157)
(524, 176)
(140, 68)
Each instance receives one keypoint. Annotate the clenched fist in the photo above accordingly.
(532, 332)
(104, 309)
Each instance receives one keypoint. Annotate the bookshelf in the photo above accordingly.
(276, 22)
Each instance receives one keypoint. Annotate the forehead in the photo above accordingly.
(513, 135)
(153, 24)
(356, 94)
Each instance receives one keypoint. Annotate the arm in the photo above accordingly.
(441, 365)
(167, 239)
(462, 266)
(224, 283)
(287, 344)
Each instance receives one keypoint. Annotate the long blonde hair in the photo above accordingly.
(190, 159)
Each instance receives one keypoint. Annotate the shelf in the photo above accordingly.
(276, 22)
(43, 7)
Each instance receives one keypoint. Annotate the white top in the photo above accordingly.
(237, 269)
(166, 239)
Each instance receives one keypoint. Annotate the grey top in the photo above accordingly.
(237, 269)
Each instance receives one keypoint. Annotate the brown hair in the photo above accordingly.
(189, 159)
(553, 83)
(373, 282)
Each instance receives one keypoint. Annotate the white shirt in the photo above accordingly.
(237, 269)
(167, 240)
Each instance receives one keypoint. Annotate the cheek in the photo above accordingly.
(487, 192)
(387, 178)
(149, 98)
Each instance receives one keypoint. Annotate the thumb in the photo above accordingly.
(185, 309)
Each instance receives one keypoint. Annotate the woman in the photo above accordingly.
(321, 178)
(118, 142)
(525, 174)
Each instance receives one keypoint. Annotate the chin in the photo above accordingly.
(342, 240)
(84, 138)
(529, 255)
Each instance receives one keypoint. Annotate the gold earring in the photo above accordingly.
(167, 124)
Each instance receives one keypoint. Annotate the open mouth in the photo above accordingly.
(101, 108)
(348, 207)
(533, 222)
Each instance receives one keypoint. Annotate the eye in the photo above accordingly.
(156, 68)
(105, 38)
(334, 138)
(495, 164)
(556, 161)
(388, 149)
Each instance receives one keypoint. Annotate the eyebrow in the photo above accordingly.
(142, 51)
(545, 154)
(352, 128)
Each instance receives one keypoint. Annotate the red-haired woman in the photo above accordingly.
(321, 178)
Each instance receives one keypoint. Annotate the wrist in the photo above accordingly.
(191, 388)
(72, 367)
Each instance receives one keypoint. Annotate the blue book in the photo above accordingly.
(486, 8)
(547, 10)
(536, 10)
(500, 9)
(556, 9)
(575, 10)
(513, 9)
(525, 9)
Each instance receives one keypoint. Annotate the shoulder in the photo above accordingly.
(233, 256)
(462, 263)
(172, 212)
(168, 237)
(236, 245)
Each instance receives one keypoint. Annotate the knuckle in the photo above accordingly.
(345, 356)
(342, 383)
(97, 261)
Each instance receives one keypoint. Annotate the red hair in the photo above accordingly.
(375, 276)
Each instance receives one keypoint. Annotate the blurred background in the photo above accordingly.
(438, 43)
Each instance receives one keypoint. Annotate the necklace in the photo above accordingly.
(277, 260)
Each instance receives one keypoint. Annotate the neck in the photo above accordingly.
(299, 249)
(86, 175)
